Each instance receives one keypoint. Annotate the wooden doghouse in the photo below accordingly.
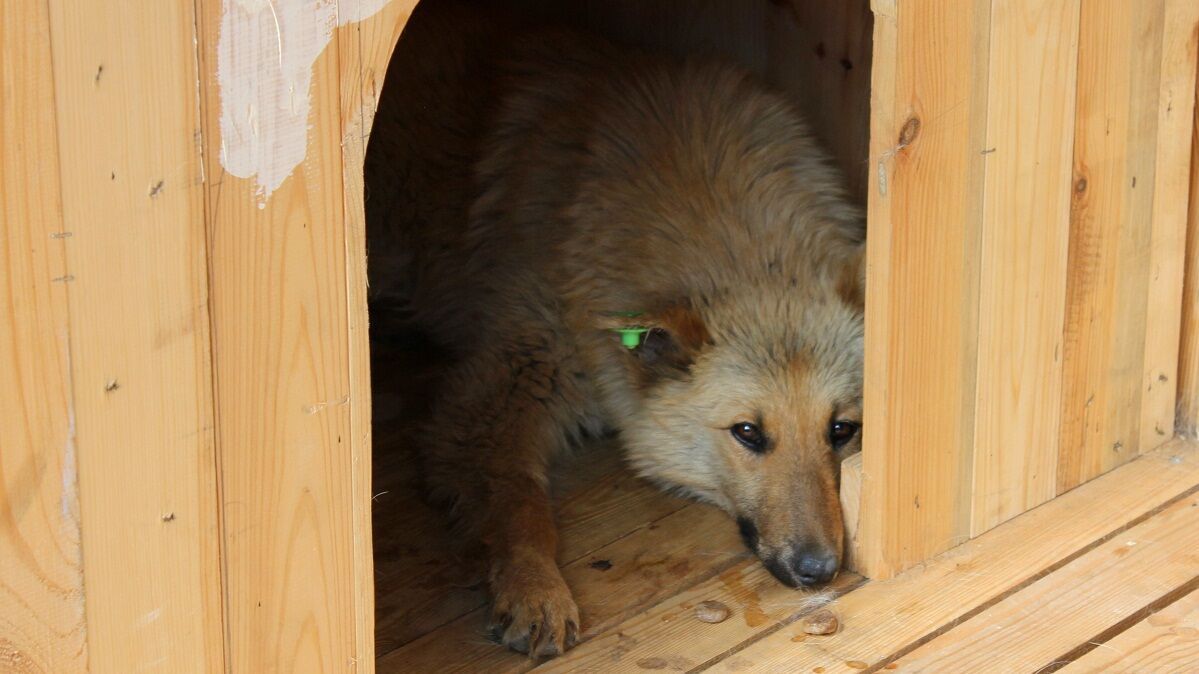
(185, 409)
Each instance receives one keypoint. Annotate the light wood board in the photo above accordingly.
(41, 582)
(1166, 641)
(1022, 289)
(925, 210)
(140, 366)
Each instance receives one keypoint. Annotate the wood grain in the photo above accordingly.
(1188, 365)
(364, 51)
(851, 507)
(1166, 641)
(1111, 228)
(1175, 127)
(820, 53)
(139, 343)
(292, 480)
(925, 212)
(610, 585)
(882, 618)
(424, 584)
(41, 583)
(669, 636)
(1045, 622)
(1034, 50)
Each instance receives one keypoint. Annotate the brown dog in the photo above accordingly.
(613, 182)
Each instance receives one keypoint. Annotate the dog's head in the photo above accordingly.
(750, 401)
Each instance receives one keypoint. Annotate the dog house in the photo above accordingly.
(185, 416)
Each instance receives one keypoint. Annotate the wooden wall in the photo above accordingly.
(185, 436)
(185, 420)
(1028, 191)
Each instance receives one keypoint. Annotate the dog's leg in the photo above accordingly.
(503, 413)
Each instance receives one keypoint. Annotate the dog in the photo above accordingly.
(620, 240)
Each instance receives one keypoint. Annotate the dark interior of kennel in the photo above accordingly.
(625, 546)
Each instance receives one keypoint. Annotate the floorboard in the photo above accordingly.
(1166, 641)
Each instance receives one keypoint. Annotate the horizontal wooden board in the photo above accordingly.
(881, 618)
(1166, 641)
(1043, 624)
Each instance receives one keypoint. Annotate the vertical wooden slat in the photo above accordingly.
(1034, 47)
(1188, 359)
(1111, 228)
(291, 459)
(41, 577)
(929, 113)
(366, 49)
(1175, 135)
(125, 86)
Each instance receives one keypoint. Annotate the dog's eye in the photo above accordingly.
(749, 435)
(841, 432)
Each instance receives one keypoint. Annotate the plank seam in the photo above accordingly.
(1120, 626)
(1049, 569)
(218, 463)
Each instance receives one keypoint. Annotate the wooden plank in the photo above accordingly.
(669, 636)
(1042, 624)
(365, 49)
(423, 584)
(1187, 422)
(851, 506)
(1111, 227)
(1167, 641)
(125, 87)
(1175, 125)
(609, 585)
(1034, 49)
(292, 460)
(820, 53)
(41, 586)
(925, 210)
(881, 618)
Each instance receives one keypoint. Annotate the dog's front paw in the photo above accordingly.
(532, 609)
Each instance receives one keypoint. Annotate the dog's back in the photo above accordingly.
(614, 177)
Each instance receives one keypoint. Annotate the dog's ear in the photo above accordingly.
(851, 279)
(676, 334)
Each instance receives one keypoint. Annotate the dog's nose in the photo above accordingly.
(813, 566)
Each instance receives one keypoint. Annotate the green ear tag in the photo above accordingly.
(631, 337)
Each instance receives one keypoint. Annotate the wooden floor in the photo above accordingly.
(1103, 579)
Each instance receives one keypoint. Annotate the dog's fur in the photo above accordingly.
(611, 180)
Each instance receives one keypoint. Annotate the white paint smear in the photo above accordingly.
(264, 71)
